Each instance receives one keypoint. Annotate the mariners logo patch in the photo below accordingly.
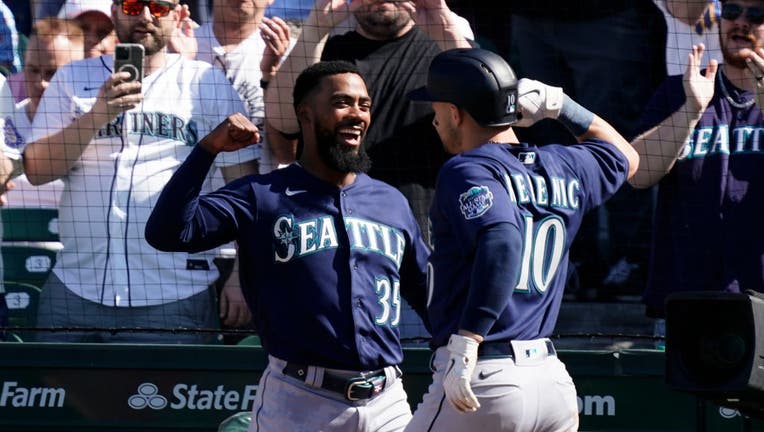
(475, 202)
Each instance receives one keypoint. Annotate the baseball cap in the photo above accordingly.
(74, 8)
(474, 79)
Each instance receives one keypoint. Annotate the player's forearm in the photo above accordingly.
(494, 275)
(659, 147)
(174, 224)
(52, 157)
(278, 96)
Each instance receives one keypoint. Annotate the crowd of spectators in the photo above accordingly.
(609, 55)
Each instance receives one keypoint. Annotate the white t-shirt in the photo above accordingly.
(242, 68)
(111, 189)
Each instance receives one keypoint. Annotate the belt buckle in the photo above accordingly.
(361, 384)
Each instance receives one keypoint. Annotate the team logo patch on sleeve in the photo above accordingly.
(475, 202)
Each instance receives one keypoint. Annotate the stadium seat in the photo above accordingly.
(29, 224)
(22, 300)
(236, 423)
(251, 340)
(28, 262)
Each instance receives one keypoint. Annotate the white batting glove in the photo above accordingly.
(461, 364)
(537, 101)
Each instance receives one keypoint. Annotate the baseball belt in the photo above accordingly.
(360, 386)
(504, 349)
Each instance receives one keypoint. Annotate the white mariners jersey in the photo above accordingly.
(110, 191)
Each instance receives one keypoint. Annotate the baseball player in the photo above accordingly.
(326, 254)
(115, 143)
(503, 218)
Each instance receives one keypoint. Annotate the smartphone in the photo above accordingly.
(128, 57)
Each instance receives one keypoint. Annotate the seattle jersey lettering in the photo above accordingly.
(156, 124)
(713, 140)
(524, 189)
(296, 239)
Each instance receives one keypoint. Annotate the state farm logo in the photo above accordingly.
(147, 396)
(193, 397)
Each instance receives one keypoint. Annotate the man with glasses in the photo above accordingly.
(115, 143)
(707, 156)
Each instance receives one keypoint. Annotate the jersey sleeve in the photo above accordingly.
(182, 221)
(601, 168)
(224, 101)
(473, 196)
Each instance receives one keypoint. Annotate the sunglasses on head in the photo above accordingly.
(157, 8)
(732, 11)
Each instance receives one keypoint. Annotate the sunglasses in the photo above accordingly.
(157, 8)
(732, 11)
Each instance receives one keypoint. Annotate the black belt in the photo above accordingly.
(504, 349)
(365, 385)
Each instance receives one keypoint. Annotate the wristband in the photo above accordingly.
(575, 117)
(263, 84)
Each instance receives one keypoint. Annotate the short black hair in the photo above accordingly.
(309, 78)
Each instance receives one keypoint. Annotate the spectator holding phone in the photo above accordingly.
(115, 143)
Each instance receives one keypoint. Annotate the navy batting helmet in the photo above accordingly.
(476, 80)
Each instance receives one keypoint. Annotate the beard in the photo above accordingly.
(382, 24)
(152, 42)
(733, 57)
(339, 157)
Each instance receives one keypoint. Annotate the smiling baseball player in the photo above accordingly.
(326, 254)
(503, 218)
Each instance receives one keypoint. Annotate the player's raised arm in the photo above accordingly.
(179, 222)
(538, 101)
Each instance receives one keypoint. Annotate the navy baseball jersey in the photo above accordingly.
(708, 233)
(323, 268)
(544, 192)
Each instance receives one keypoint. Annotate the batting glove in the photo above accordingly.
(461, 364)
(537, 101)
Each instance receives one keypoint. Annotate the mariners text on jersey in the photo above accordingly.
(525, 189)
(296, 239)
(717, 139)
(156, 124)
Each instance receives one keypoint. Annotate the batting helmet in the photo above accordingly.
(476, 80)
